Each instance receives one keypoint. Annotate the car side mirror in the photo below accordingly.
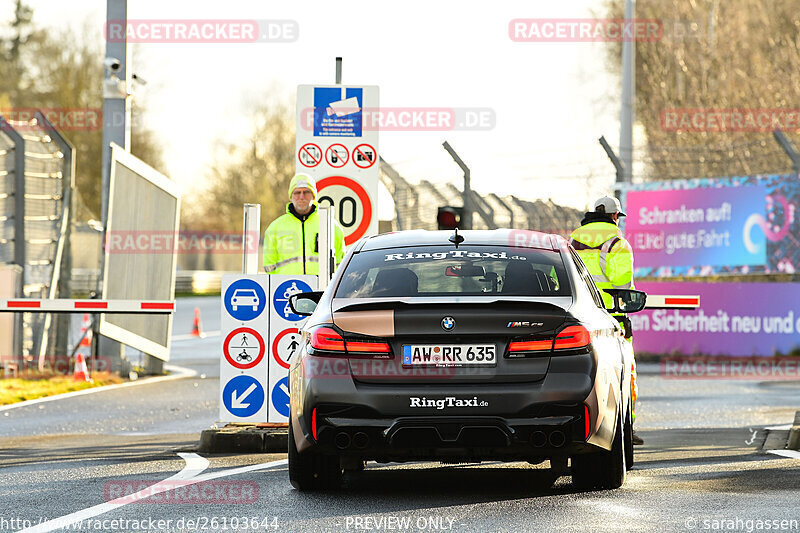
(626, 300)
(304, 303)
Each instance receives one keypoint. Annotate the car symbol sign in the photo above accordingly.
(448, 323)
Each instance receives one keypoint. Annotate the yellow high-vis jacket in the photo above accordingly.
(291, 243)
(607, 255)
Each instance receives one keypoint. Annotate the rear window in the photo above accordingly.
(447, 271)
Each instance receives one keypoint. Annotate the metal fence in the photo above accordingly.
(416, 207)
(36, 182)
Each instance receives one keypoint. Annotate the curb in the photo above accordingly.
(793, 442)
(178, 372)
(235, 438)
(782, 437)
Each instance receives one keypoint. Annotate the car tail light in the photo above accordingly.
(327, 339)
(314, 423)
(586, 423)
(531, 345)
(573, 337)
(359, 346)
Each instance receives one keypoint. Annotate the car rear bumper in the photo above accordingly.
(496, 421)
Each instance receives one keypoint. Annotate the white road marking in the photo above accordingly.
(793, 454)
(780, 428)
(194, 466)
(178, 372)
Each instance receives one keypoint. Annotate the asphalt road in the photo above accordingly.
(699, 470)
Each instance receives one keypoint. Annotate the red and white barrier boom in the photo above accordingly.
(672, 301)
(119, 307)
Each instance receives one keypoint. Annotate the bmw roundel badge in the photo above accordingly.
(448, 323)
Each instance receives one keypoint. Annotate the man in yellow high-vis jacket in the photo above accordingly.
(609, 258)
(291, 242)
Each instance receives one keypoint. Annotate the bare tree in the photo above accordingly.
(257, 171)
(714, 54)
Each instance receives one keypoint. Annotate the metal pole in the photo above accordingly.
(466, 195)
(788, 147)
(116, 105)
(250, 236)
(325, 255)
(628, 97)
(338, 71)
(618, 165)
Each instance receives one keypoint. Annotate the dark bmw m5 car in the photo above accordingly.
(481, 345)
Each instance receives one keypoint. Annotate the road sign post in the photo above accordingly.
(243, 364)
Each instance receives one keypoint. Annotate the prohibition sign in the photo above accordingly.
(276, 342)
(257, 339)
(337, 155)
(309, 155)
(364, 156)
(363, 197)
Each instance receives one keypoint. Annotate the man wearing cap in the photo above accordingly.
(609, 258)
(291, 242)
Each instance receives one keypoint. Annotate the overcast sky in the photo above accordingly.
(551, 100)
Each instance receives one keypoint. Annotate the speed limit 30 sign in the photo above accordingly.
(339, 148)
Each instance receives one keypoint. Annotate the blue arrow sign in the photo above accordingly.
(243, 396)
(281, 298)
(280, 396)
(245, 299)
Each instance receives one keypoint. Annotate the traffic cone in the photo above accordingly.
(86, 340)
(197, 328)
(81, 372)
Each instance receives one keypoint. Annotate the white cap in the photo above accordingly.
(610, 204)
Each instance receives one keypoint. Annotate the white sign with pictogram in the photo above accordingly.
(337, 155)
(309, 155)
(339, 120)
(364, 156)
(243, 352)
(284, 339)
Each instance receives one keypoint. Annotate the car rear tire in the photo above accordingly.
(312, 470)
(629, 437)
(604, 469)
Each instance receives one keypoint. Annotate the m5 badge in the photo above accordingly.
(525, 324)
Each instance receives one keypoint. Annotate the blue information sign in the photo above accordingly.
(245, 299)
(280, 396)
(337, 114)
(281, 298)
(243, 396)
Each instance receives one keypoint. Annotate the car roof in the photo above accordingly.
(512, 238)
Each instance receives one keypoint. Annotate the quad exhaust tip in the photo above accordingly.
(360, 440)
(342, 440)
(557, 439)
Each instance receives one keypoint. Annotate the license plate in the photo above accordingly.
(452, 355)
